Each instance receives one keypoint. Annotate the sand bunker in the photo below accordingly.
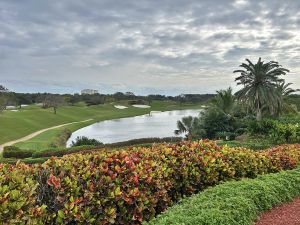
(141, 106)
(120, 106)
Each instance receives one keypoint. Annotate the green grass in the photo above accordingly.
(235, 202)
(250, 145)
(15, 125)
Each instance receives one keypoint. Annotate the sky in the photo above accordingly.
(144, 46)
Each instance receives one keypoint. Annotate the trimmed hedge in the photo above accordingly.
(65, 151)
(15, 152)
(128, 187)
(26, 160)
(62, 151)
(234, 203)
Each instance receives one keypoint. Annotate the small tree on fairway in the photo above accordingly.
(53, 101)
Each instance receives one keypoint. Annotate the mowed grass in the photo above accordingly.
(14, 125)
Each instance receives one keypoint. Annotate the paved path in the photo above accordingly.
(286, 214)
(32, 135)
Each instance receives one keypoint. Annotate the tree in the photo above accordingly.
(3, 99)
(53, 101)
(225, 100)
(260, 83)
(2, 104)
(284, 106)
(187, 125)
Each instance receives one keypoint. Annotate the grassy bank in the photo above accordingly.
(15, 125)
(234, 203)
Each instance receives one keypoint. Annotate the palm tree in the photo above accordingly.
(225, 100)
(284, 90)
(260, 83)
(187, 125)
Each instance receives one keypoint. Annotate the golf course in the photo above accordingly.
(36, 121)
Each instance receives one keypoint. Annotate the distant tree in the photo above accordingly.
(2, 104)
(53, 101)
(260, 82)
(187, 125)
(3, 98)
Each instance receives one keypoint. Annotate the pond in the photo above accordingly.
(155, 124)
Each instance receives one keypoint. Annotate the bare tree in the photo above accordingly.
(53, 101)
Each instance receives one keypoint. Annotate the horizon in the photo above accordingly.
(146, 47)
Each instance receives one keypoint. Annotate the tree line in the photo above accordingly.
(49, 100)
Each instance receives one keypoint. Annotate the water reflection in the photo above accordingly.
(155, 124)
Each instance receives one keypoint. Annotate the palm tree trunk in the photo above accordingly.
(258, 114)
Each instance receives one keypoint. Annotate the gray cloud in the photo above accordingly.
(169, 47)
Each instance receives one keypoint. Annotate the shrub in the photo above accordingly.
(234, 203)
(15, 152)
(128, 187)
(85, 141)
(18, 196)
(277, 131)
(62, 151)
(213, 122)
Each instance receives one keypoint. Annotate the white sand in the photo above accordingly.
(120, 106)
(141, 106)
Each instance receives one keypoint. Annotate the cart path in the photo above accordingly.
(32, 135)
(286, 214)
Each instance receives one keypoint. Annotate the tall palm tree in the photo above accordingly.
(260, 85)
(187, 125)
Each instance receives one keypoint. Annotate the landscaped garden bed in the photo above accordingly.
(127, 186)
(235, 202)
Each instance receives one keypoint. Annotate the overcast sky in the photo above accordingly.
(153, 46)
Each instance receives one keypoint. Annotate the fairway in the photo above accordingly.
(15, 125)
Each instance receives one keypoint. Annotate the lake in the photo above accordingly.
(155, 124)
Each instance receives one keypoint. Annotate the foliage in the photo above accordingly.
(15, 152)
(187, 125)
(225, 101)
(53, 101)
(235, 202)
(65, 151)
(277, 131)
(260, 83)
(250, 145)
(18, 196)
(128, 187)
(213, 123)
(85, 141)
(25, 160)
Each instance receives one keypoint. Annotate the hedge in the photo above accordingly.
(65, 151)
(234, 203)
(15, 152)
(26, 160)
(127, 187)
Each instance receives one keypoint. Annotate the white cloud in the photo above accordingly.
(143, 46)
